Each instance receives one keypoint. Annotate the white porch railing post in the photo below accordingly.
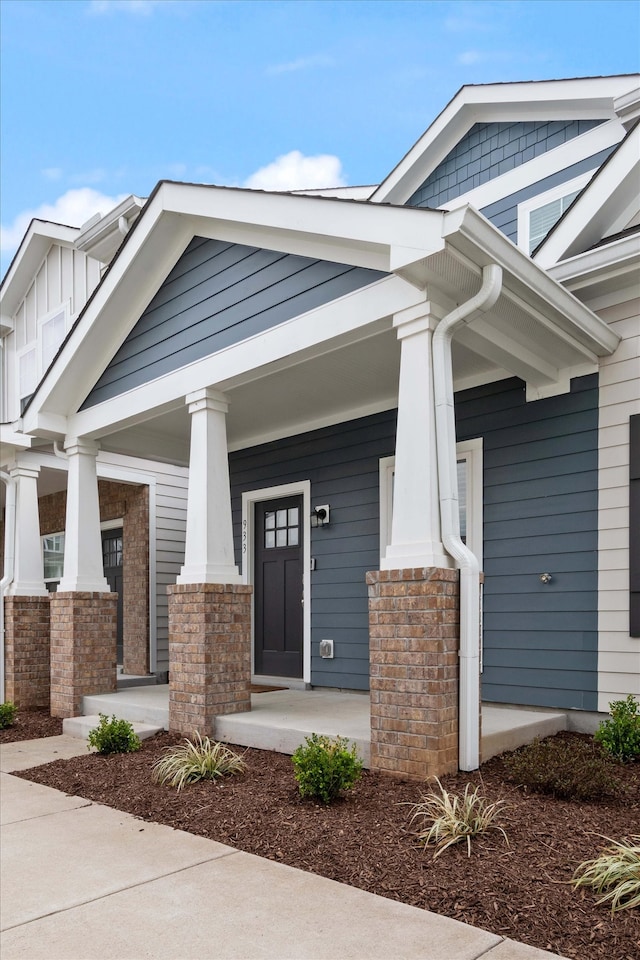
(209, 555)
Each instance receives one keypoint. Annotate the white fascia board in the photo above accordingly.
(12, 439)
(600, 206)
(579, 148)
(528, 282)
(341, 317)
(332, 226)
(346, 231)
(33, 249)
(583, 98)
(621, 257)
(110, 315)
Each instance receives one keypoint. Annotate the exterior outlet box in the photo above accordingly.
(326, 649)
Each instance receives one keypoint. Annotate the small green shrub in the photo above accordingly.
(113, 736)
(569, 769)
(445, 818)
(620, 735)
(616, 872)
(325, 766)
(197, 759)
(8, 712)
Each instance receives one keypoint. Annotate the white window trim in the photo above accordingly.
(105, 525)
(471, 452)
(556, 193)
(249, 499)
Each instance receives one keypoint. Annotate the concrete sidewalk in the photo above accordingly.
(81, 881)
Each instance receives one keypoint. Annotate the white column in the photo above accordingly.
(83, 567)
(209, 556)
(415, 532)
(28, 574)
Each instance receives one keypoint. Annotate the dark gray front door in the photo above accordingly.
(112, 562)
(278, 587)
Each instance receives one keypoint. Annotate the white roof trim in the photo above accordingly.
(35, 245)
(600, 209)
(584, 98)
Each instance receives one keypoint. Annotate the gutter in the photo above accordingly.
(9, 559)
(469, 652)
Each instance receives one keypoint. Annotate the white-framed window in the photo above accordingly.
(539, 214)
(53, 559)
(469, 461)
(34, 359)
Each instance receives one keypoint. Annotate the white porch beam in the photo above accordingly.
(83, 566)
(416, 540)
(506, 352)
(209, 556)
(28, 576)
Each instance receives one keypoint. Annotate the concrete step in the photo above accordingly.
(81, 727)
(507, 728)
(148, 704)
(126, 680)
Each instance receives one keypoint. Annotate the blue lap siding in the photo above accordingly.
(540, 515)
(219, 294)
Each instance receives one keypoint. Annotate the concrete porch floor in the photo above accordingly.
(281, 719)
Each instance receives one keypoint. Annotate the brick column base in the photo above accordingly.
(83, 648)
(413, 637)
(209, 654)
(26, 639)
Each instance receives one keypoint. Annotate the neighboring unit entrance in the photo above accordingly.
(112, 561)
(278, 587)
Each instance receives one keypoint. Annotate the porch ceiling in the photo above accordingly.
(297, 396)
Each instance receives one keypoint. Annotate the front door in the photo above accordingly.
(112, 561)
(278, 587)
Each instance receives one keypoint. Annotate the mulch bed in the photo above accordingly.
(32, 725)
(519, 890)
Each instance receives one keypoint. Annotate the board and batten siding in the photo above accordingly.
(66, 277)
(540, 516)
(342, 464)
(619, 653)
(171, 525)
(489, 150)
(219, 294)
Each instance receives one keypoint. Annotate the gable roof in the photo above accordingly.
(581, 98)
(603, 208)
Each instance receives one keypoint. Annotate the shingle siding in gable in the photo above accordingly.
(490, 149)
(219, 294)
(540, 516)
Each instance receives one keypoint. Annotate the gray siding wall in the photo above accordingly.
(540, 515)
(490, 149)
(342, 463)
(504, 212)
(216, 295)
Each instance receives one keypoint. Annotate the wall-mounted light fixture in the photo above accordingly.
(320, 516)
(545, 578)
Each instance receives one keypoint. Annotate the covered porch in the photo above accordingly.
(279, 720)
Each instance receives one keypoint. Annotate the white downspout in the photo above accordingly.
(9, 559)
(469, 653)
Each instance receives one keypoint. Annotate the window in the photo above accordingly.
(538, 215)
(35, 358)
(53, 559)
(469, 461)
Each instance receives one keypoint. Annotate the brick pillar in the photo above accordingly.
(414, 638)
(209, 654)
(26, 622)
(83, 648)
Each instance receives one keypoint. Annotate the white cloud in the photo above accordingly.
(73, 208)
(52, 173)
(302, 63)
(136, 7)
(294, 171)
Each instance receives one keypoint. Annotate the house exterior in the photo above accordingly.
(378, 439)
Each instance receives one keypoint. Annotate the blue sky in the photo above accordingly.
(103, 98)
